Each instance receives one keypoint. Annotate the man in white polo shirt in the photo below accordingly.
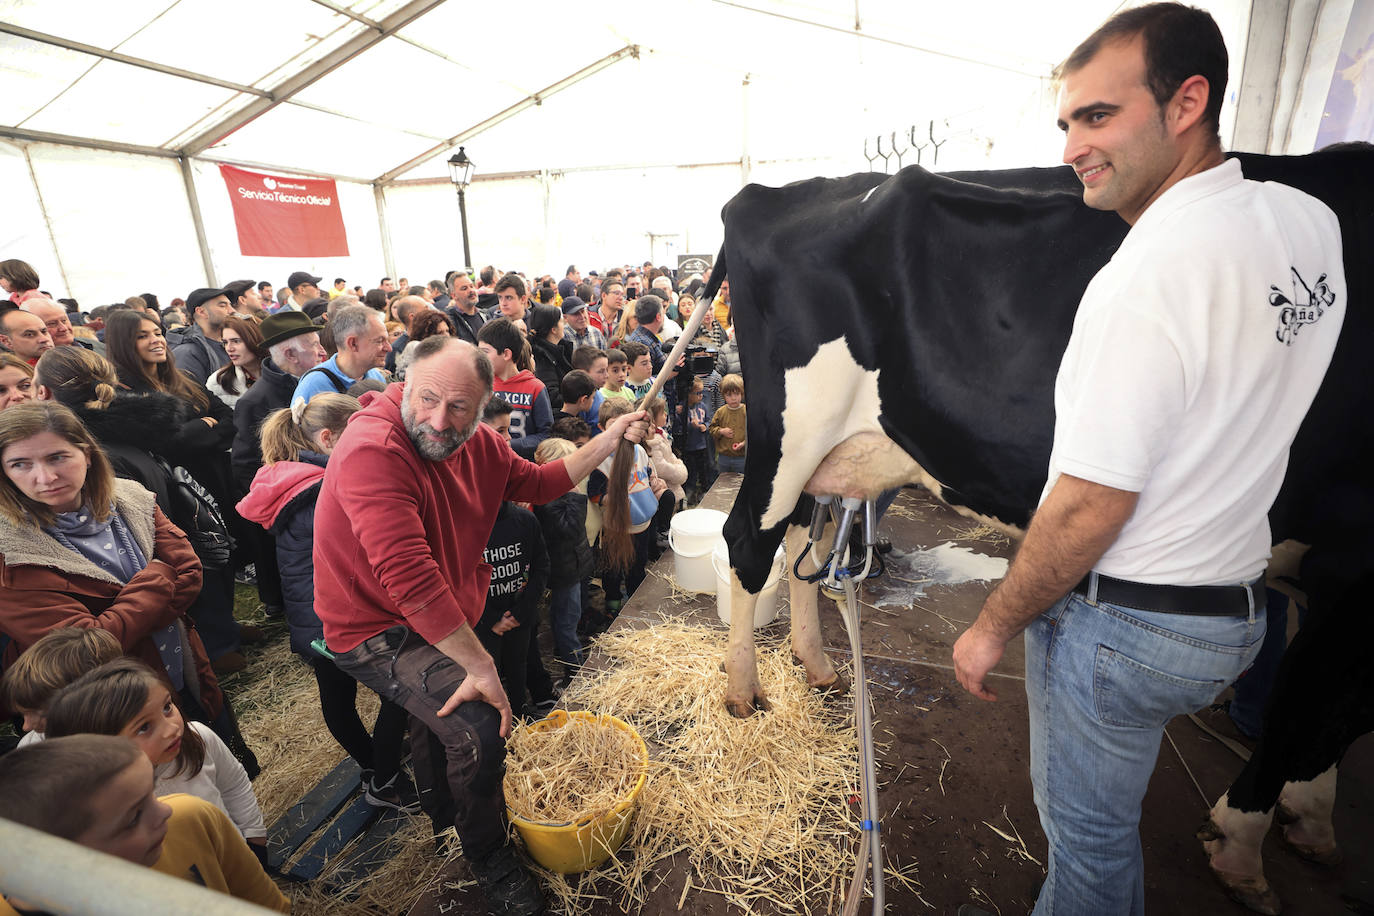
(1140, 581)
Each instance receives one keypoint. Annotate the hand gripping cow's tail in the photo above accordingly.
(617, 544)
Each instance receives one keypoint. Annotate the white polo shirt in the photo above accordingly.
(1195, 354)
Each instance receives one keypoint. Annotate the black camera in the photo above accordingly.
(701, 360)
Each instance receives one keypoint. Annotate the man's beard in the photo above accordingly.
(450, 439)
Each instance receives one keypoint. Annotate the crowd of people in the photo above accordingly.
(155, 457)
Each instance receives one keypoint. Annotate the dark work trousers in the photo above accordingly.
(510, 652)
(380, 751)
(403, 668)
(699, 472)
(213, 612)
(269, 573)
(612, 581)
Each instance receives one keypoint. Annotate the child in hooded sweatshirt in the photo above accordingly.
(296, 443)
(519, 564)
(531, 411)
(564, 523)
(645, 488)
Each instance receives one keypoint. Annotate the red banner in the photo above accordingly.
(286, 217)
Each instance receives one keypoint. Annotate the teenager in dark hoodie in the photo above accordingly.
(564, 523)
(296, 443)
(509, 626)
(552, 352)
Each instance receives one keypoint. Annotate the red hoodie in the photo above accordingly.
(400, 537)
(274, 486)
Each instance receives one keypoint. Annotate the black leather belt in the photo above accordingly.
(1202, 600)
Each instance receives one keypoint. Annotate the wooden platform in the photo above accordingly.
(956, 767)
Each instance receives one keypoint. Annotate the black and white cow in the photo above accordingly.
(909, 329)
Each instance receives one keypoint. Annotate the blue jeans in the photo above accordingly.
(1102, 681)
(565, 610)
(1252, 691)
(729, 464)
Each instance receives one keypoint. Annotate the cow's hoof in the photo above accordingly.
(837, 688)
(1251, 893)
(1319, 855)
(743, 709)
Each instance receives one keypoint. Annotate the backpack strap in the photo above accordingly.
(339, 384)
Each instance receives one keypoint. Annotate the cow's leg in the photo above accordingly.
(743, 693)
(1305, 813)
(1320, 704)
(1232, 839)
(806, 623)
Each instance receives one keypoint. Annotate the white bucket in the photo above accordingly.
(766, 608)
(693, 535)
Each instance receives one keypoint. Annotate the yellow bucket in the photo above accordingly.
(581, 845)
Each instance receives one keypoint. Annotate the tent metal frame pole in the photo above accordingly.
(535, 99)
(873, 36)
(68, 44)
(388, 258)
(193, 198)
(26, 135)
(47, 221)
(309, 76)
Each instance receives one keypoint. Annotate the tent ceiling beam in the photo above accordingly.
(873, 36)
(374, 24)
(57, 41)
(528, 102)
(110, 146)
(310, 75)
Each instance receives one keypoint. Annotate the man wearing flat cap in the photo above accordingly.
(578, 327)
(200, 350)
(293, 344)
(304, 287)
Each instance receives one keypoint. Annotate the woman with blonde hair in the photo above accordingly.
(79, 547)
(296, 443)
(16, 380)
(626, 325)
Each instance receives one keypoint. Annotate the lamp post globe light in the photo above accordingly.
(460, 173)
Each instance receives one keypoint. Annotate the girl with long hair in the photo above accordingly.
(243, 343)
(126, 698)
(551, 350)
(199, 443)
(296, 443)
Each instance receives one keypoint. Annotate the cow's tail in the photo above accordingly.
(708, 294)
(617, 544)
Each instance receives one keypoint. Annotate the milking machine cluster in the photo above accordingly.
(837, 575)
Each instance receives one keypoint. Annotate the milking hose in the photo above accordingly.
(868, 775)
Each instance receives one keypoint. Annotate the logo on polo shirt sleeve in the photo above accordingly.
(1306, 307)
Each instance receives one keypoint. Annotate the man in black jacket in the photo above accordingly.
(467, 317)
(200, 351)
(293, 342)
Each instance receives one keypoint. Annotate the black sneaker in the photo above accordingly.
(247, 576)
(397, 793)
(540, 709)
(510, 889)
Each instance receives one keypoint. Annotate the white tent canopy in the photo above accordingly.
(602, 132)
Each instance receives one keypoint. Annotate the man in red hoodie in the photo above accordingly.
(408, 500)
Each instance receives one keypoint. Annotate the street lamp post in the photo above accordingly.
(460, 173)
